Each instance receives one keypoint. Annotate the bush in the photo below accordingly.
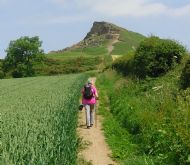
(20, 71)
(185, 76)
(124, 64)
(2, 75)
(155, 56)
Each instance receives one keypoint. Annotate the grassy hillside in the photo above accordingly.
(67, 64)
(73, 61)
(86, 51)
(128, 41)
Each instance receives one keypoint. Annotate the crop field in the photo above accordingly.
(38, 120)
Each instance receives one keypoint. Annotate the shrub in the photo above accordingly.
(20, 71)
(2, 75)
(155, 56)
(185, 76)
(124, 64)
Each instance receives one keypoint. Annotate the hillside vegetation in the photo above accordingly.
(66, 65)
(148, 117)
(128, 42)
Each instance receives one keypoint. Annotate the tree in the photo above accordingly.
(21, 53)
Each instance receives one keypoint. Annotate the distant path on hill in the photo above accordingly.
(96, 151)
(113, 41)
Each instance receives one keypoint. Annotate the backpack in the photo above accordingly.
(88, 92)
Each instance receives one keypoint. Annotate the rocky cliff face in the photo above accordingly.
(99, 33)
(102, 28)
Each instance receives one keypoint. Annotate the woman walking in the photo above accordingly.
(89, 97)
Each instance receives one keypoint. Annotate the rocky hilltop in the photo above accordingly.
(107, 34)
(103, 29)
(99, 33)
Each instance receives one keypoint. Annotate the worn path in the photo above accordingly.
(113, 41)
(97, 151)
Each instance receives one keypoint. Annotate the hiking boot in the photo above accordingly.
(88, 127)
(91, 125)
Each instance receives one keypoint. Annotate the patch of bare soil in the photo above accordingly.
(110, 45)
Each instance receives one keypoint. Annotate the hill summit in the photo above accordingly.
(99, 33)
(104, 30)
(104, 33)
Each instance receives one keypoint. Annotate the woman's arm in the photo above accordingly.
(96, 93)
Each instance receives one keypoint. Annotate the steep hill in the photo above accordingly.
(104, 38)
(102, 44)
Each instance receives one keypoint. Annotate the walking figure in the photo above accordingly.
(89, 97)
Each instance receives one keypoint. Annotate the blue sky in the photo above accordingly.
(61, 23)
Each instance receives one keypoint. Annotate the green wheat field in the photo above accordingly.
(38, 119)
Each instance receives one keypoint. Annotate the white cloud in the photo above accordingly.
(181, 11)
(136, 8)
(128, 8)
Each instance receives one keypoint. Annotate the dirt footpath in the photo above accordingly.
(110, 46)
(96, 151)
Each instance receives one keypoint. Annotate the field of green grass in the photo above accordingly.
(38, 119)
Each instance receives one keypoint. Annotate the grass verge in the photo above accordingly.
(145, 122)
(118, 139)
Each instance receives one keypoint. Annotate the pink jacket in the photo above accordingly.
(92, 100)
